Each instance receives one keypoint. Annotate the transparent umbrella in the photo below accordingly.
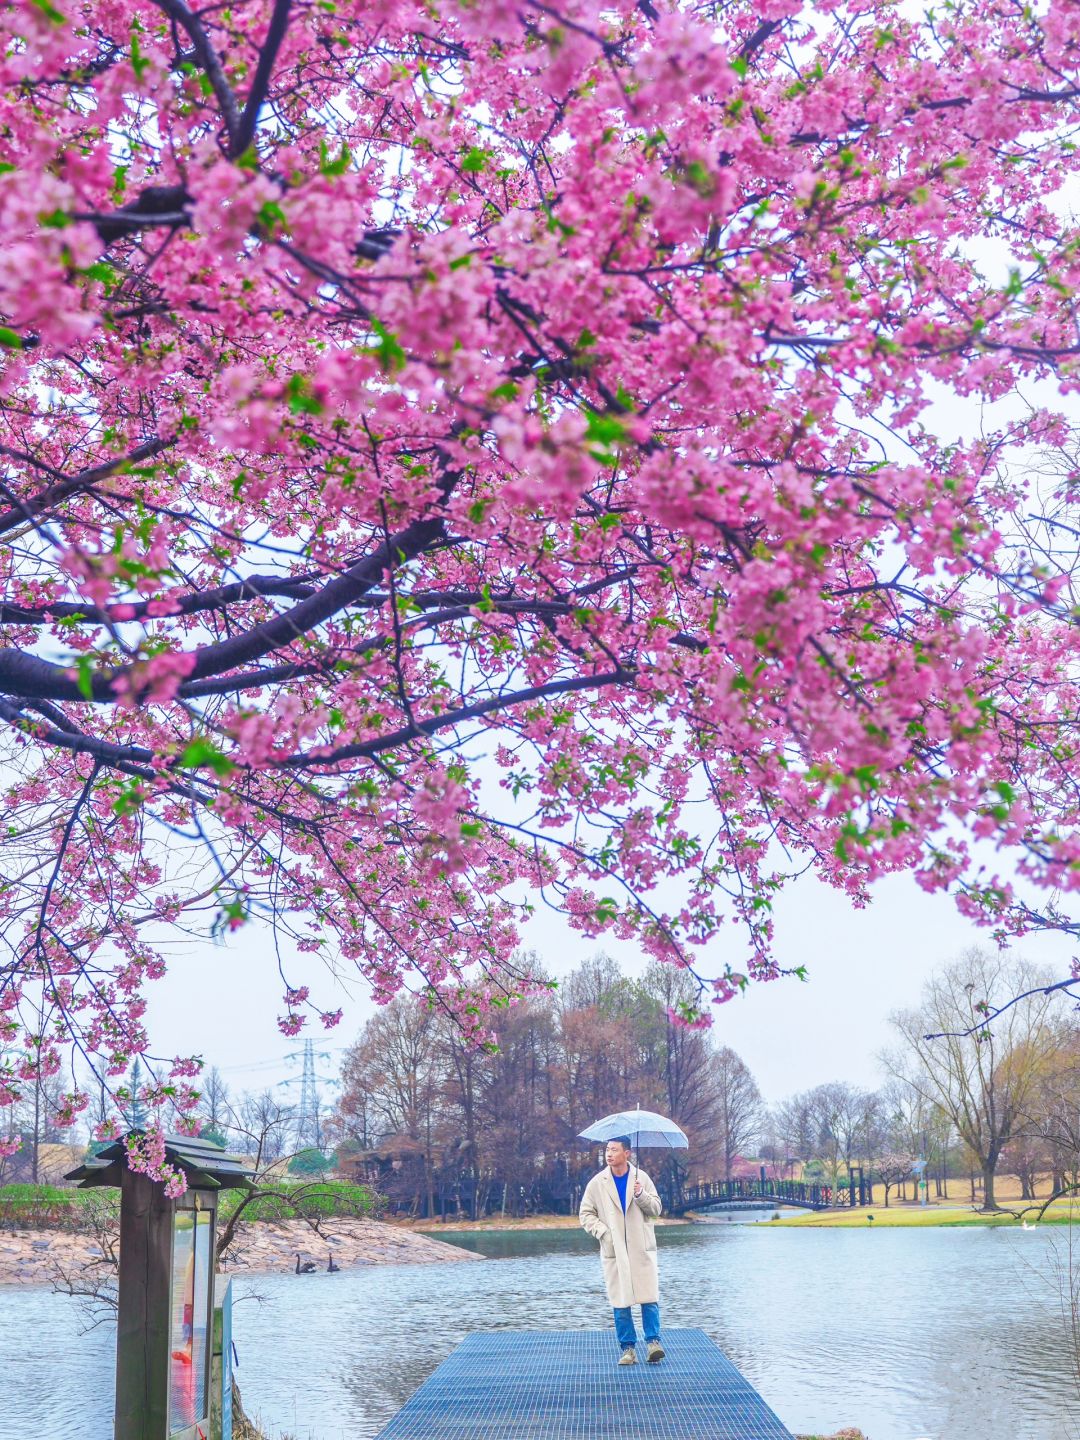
(647, 1129)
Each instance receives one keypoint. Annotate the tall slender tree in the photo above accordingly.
(738, 1105)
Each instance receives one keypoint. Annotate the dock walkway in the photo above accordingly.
(565, 1385)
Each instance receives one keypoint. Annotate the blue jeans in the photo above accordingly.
(624, 1323)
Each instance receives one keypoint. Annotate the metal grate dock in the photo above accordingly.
(565, 1385)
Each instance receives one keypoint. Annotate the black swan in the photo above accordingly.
(331, 1268)
(307, 1268)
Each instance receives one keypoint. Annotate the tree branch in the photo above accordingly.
(208, 58)
(23, 510)
(260, 85)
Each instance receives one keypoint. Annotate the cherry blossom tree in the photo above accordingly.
(469, 454)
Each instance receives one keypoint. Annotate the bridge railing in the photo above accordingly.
(811, 1196)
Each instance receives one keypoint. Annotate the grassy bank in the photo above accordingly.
(920, 1216)
(897, 1216)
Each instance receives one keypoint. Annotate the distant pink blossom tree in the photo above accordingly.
(470, 450)
(892, 1169)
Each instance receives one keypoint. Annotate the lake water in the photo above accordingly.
(952, 1334)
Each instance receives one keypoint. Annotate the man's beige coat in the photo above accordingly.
(627, 1242)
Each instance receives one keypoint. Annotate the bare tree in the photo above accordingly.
(1053, 1120)
(264, 1123)
(94, 1282)
(738, 1105)
(837, 1115)
(391, 1078)
(983, 1077)
(793, 1126)
(913, 1124)
(216, 1104)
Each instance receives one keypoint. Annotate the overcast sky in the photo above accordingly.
(224, 999)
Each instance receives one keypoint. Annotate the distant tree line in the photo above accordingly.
(984, 1079)
(439, 1126)
(442, 1127)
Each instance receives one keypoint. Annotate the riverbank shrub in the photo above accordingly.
(325, 1199)
(52, 1207)
(47, 1207)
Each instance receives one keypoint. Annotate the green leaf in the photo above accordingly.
(84, 676)
(699, 179)
(604, 430)
(740, 65)
(50, 12)
(201, 752)
(301, 400)
(139, 62)
(391, 355)
(475, 160)
(9, 339)
(128, 801)
(270, 216)
(334, 167)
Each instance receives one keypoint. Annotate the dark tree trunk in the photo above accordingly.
(989, 1203)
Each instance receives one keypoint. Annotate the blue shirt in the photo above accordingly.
(620, 1185)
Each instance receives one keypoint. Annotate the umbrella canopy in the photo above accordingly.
(644, 1127)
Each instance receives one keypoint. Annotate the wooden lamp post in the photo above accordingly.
(165, 1302)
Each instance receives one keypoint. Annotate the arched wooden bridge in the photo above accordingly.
(747, 1193)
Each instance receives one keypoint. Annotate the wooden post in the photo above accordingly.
(164, 1323)
(142, 1336)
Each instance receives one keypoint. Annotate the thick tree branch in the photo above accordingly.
(260, 85)
(209, 60)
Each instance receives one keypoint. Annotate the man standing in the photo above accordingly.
(619, 1208)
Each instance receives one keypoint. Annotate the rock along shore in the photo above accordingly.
(30, 1257)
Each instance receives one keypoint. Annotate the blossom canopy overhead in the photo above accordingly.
(467, 453)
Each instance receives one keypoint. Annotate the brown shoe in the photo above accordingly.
(656, 1351)
(628, 1356)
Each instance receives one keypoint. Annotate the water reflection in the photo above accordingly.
(945, 1334)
